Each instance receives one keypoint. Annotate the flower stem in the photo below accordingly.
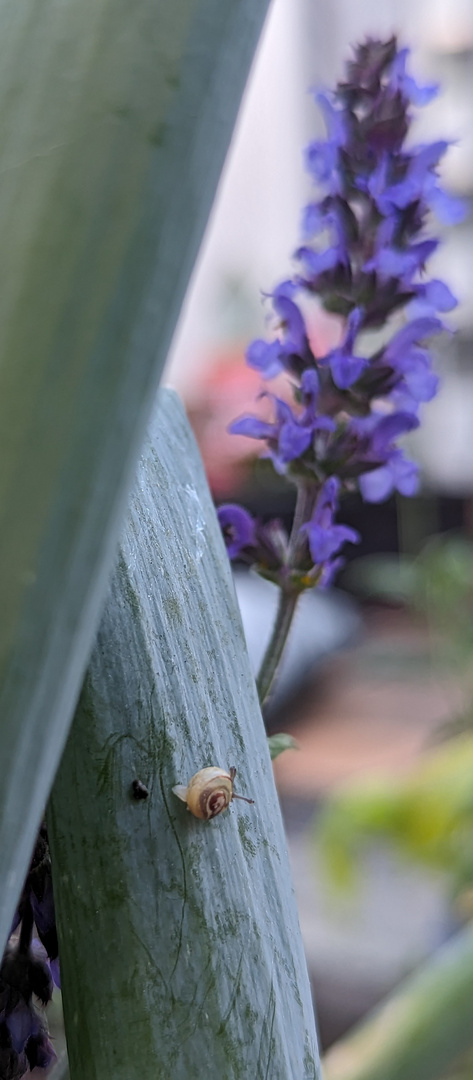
(274, 651)
(306, 496)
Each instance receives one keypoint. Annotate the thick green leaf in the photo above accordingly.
(420, 1030)
(115, 116)
(180, 948)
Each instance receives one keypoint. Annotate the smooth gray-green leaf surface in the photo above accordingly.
(115, 116)
(180, 948)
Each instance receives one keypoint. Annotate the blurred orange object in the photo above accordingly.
(228, 389)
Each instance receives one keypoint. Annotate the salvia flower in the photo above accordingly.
(364, 254)
(366, 245)
(324, 536)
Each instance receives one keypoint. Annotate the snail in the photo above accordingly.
(209, 792)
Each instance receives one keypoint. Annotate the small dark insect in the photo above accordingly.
(140, 791)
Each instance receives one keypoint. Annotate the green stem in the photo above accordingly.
(306, 496)
(274, 651)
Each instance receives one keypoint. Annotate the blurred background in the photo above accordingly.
(377, 683)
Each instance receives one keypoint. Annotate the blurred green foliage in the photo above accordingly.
(428, 814)
(438, 584)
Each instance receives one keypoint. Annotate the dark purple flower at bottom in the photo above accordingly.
(12, 1065)
(24, 1042)
(39, 1051)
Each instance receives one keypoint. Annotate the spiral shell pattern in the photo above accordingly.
(213, 803)
(208, 792)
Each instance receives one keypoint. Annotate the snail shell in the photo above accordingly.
(209, 792)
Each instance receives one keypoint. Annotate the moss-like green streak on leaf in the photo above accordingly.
(418, 1031)
(180, 949)
(115, 116)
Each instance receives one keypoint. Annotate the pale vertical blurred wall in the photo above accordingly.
(255, 222)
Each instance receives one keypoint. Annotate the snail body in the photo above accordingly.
(209, 792)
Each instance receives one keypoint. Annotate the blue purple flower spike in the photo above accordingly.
(365, 246)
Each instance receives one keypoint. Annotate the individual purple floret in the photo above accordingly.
(345, 367)
(265, 546)
(324, 536)
(290, 350)
(394, 472)
(400, 80)
(238, 529)
(431, 296)
(291, 434)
